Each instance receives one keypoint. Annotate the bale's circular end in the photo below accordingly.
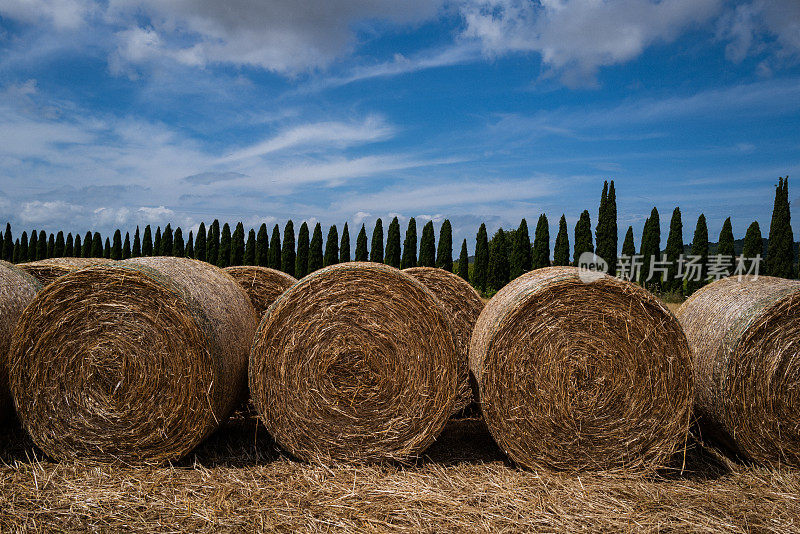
(46, 271)
(123, 363)
(355, 362)
(576, 375)
(262, 284)
(463, 305)
(745, 339)
(17, 290)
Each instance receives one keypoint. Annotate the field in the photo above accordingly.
(239, 481)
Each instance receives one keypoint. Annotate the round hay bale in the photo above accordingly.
(262, 284)
(355, 362)
(578, 375)
(17, 290)
(745, 339)
(464, 305)
(48, 270)
(135, 361)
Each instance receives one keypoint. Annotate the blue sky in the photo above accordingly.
(126, 112)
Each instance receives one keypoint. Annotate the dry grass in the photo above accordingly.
(46, 271)
(238, 481)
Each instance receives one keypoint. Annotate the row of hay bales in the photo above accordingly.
(138, 361)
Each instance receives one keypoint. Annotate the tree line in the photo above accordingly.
(507, 255)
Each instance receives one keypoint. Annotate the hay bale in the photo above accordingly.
(135, 361)
(576, 375)
(745, 339)
(262, 284)
(355, 362)
(464, 305)
(17, 289)
(48, 270)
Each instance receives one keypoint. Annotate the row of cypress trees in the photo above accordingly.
(496, 262)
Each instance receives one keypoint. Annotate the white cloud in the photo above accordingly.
(155, 214)
(747, 25)
(42, 212)
(63, 14)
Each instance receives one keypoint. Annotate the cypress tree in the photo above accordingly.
(444, 252)
(361, 245)
(561, 247)
(499, 268)
(167, 241)
(480, 271)
(178, 245)
(116, 250)
(136, 250)
(331, 247)
(463, 262)
(22, 249)
(58, 247)
(107, 249)
(69, 246)
(288, 254)
(410, 246)
(725, 245)
(126, 246)
(541, 244)
(275, 249)
(237, 245)
(376, 252)
(583, 236)
(301, 261)
(200, 243)
(700, 249)
(250, 248)
(427, 246)
(628, 246)
(393, 250)
(344, 245)
(147, 242)
(51, 246)
(753, 242)
(157, 242)
(651, 247)
(189, 253)
(77, 249)
(8, 244)
(41, 246)
(674, 249)
(32, 246)
(213, 243)
(224, 251)
(2, 246)
(315, 250)
(88, 241)
(606, 230)
(14, 252)
(521, 257)
(262, 246)
(780, 254)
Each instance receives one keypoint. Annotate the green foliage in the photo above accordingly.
(541, 244)
(136, 250)
(561, 247)
(157, 242)
(301, 261)
(97, 246)
(15, 252)
(753, 242)
(200, 243)
(583, 236)
(628, 246)
(212, 243)
(651, 249)
(41, 246)
(250, 248)
(189, 252)
(410, 246)
(444, 252)
(237, 245)
(51, 245)
(331, 247)
(362, 253)
(288, 253)
(224, 252)
(275, 249)
(32, 246)
(463, 262)
(262, 246)
(147, 242)
(116, 249)
(521, 257)
(606, 230)
(725, 245)
(780, 256)
(107, 249)
(58, 248)
(8, 244)
(315, 250)
(699, 248)
(178, 245)
(480, 272)
(22, 251)
(88, 241)
(673, 250)
(77, 248)
(69, 246)
(166, 241)
(393, 249)
(427, 246)
(499, 268)
(344, 245)
(376, 250)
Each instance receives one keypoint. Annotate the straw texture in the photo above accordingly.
(17, 290)
(577, 376)
(262, 284)
(48, 270)
(745, 337)
(356, 362)
(134, 362)
(464, 305)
